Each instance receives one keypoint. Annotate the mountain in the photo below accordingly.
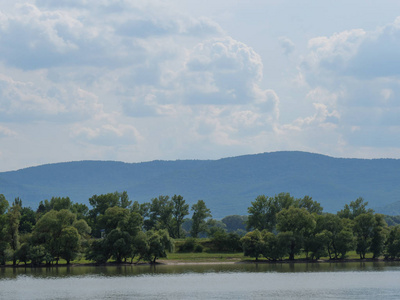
(227, 185)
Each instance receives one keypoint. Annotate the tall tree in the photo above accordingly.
(263, 211)
(393, 243)
(69, 243)
(253, 244)
(100, 203)
(297, 221)
(28, 220)
(354, 209)
(160, 213)
(363, 228)
(159, 243)
(3, 221)
(310, 205)
(200, 214)
(13, 220)
(51, 232)
(179, 212)
(378, 238)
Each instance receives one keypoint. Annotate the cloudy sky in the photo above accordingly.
(139, 80)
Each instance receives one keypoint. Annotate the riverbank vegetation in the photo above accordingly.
(278, 228)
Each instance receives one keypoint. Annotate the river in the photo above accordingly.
(226, 281)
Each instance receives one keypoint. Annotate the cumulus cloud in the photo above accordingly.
(131, 74)
(353, 76)
(223, 71)
(26, 101)
(287, 45)
(358, 53)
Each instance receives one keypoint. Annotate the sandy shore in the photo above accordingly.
(211, 262)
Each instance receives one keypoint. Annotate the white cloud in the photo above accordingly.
(287, 45)
(152, 79)
(357, 53)
(107, 134)
(6, 132)
(223, 71)
(353, 76)
(36, 100)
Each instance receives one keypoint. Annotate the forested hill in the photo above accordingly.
(226, 185)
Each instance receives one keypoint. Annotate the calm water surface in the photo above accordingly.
(238, 281)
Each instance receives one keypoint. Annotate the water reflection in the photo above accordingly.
(234, 281)
(138, 270)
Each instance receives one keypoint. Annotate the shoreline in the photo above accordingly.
(163, 262)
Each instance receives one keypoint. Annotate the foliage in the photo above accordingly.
(188, 245)
(179, 211)
(235, 223)
(354, 209)
(370, 233)
(253, 244)
(159, 243)
(393, 243)
(226, 242)
(200, 214)
(59, 229)
(299, 223)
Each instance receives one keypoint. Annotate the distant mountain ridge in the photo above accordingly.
(227, 185)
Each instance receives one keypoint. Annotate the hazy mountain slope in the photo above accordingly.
(227, 185)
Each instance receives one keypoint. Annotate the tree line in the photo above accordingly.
(113, 228)
(116, 228)
(283, 226)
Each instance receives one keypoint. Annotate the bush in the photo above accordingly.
(198, 248)
(188, 245)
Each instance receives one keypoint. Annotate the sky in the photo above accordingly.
(142, 80)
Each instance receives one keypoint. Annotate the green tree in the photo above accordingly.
(81, 210)
(378, 238)
(49, 232)
(159, 243)
(200, 214)
(98, 251)
(112, 218)
(262, 213)
(355, 209)
(253, 244)
(160, 214)
(179, 211)
(23, 253)
(100, 204)
(3, 204)
(226, 242)
(275, 246)
(392, 244)
(297, 221)
(59, 203)
(28, 220)
(313, 207)
(363, 229)
(141, 246)
(69, 243)
(3, 221)
(13, 220)
(345, 241)
(119, 245)
(338, 232)
(235, 223)
(124, 201)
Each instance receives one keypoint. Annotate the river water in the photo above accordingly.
(225, 281)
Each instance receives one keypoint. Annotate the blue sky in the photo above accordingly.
(143, 80)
